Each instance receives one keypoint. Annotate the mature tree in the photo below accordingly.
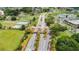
(66, 43)
(77, 15)
(33, 19)
(2, 17)
(68, 9)
(76, 37)
(56, 28)
(13, 18)
(50, 19)
(26, 9)
(0, 25)
(23, 27)
(11, 12)
(46, 9)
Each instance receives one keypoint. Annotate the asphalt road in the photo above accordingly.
(30, 45)
(43, 43)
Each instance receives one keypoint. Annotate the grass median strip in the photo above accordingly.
(37, 41)
(24, 44)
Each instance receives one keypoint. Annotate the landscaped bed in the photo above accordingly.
(10, 39)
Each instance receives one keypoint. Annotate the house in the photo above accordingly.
(73, 25)
(8, 18)
(62, 17)
(20, 24)
(70, 20)
(1, 13)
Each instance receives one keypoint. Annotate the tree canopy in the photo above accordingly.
(66, 43)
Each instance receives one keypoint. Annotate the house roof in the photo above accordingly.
(17, 26)
(76, 22)
(64, 15)
(22, 23)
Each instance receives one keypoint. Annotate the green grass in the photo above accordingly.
(66, 33)
(8, 23)
(28, 17)
(10, 39)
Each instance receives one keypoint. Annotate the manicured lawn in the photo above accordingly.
(10, 39)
